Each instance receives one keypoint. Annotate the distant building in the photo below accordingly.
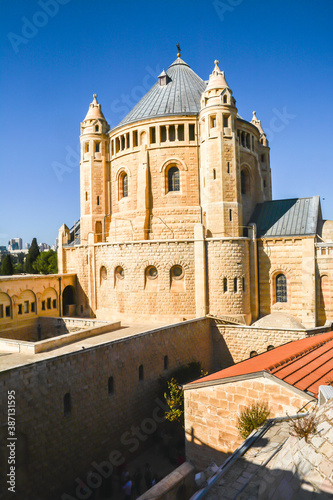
(15, 244)
(43, 247)
(27, 246)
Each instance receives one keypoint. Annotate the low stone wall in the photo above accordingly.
(235, 343)
(178, 484)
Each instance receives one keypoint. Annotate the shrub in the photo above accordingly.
(253, 417)
(303, 427)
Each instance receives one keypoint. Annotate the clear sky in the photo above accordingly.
(277, 57)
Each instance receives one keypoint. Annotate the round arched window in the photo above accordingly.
(119, 272)
(151, 272)
(104, 273)
(173, 179)
(177, 272)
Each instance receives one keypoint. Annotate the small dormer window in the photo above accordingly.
(96, 128)
(163, 79)
(225, 99)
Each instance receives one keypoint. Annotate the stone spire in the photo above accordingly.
(257, 123)
(94, 111)
(217, 79)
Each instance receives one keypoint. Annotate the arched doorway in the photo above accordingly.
(68, 301)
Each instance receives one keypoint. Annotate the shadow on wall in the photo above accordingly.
(246, 479)
(222, 357)
(75, 302)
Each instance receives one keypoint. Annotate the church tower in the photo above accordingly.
(94, 174)
(220, 196)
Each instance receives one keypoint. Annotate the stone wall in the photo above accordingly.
(135, 295)
(235, 343)
(56, 446)
(229, 259)
(295, 258)
(24, 298)
(211, 413)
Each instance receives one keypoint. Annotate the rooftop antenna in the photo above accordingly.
(179, 49)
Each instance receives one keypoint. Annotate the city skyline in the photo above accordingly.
(276, 57)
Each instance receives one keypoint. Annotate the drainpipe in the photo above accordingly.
(59, 301)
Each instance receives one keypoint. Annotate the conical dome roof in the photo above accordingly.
(94, 110)
(180, 96)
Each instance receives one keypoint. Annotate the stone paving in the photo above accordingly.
(297, 471)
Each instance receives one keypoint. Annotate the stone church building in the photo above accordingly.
(177, 217)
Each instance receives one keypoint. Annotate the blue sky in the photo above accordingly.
(277, 57)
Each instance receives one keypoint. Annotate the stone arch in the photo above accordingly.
(68, 301)
(246, 179)
(26, 302)
(173, 161)
(5, 306)
(50, 299)
(282, 270)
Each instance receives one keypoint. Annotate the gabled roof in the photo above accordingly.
(305, 364)
(181, 95)
(293, 217)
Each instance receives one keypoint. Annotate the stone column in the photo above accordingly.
(200, 271)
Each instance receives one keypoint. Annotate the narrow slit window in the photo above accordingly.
(163, 133)
(152, 135)
(97, 147)
(54, 303)
(49, 303)
(97, 200)
(235, 285)
(110, 385)
(214, 173)
(180, 132)
(20, 308)
(135, 138)
(191, 131)
(225, 285)
(230, 215)
(67, 404)
(26, 306)
(172, 133)
(166, 362)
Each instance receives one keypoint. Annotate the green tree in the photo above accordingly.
(7, 266)
(18, 268)
(46, 263)
(31, 257)
(175, 400)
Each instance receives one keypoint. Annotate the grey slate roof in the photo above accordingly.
(180, 96)
(297, 216)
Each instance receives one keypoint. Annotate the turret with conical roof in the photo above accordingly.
(219, 178)
(94, 175)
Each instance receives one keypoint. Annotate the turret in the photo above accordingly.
(219, 172)
(263, 160)
(94, 174)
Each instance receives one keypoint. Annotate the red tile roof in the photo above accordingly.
(305, 364)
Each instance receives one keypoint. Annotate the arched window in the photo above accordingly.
(225, 99)
(281, 288)
(253, 354)
(123, 185)
(173, 179)
(270, 348)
